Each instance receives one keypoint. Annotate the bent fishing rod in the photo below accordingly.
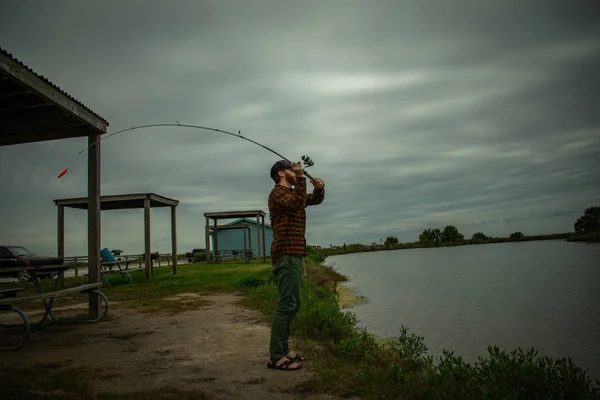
(307, 161)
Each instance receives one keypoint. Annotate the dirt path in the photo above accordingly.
(221, 349)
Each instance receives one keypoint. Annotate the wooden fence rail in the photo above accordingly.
(82, 261)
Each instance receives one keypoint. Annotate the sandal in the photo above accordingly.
(284, 365)
(297, 358)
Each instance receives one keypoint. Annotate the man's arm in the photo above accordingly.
(285, 201)
(316, 197)
(318, 194)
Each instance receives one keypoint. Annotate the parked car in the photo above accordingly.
(17, 256)
(190, 255)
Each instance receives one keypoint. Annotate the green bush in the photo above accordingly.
(200, 256)
(402, 369)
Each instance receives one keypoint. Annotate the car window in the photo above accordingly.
(20, 251)
(4, 253)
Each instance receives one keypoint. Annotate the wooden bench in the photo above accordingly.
(107, 269)
(6, 304)
(12, 292)
(126, 272)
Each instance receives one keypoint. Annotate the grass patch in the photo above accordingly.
(348, 361)
(198, 278)
(49, 381)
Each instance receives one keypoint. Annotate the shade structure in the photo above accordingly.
(122, 202)
(33, 109)
(260, 229)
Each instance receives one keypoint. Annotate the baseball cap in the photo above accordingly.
(279, 166)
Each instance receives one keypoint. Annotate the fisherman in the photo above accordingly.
(288, 249)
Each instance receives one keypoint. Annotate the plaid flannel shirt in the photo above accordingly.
(288, 218)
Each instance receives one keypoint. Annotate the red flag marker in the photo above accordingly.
(64, 171)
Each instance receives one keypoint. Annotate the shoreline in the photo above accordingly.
(349, 297)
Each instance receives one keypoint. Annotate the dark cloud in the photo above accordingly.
(484, 115)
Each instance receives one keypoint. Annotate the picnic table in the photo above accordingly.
(8, 297)
(245, 255)
(106, 268)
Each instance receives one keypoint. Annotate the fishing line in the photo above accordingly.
(307, 161)
(237, 135)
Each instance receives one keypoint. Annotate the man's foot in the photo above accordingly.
(284, 364)
(294, 357)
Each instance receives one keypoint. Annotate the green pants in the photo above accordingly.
(288, 271)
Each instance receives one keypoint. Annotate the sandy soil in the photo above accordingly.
(221, 349)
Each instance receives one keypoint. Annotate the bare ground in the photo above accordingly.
(221, 349)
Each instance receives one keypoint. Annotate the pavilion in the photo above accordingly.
(258, 214)
(121, 202)
(33, 109)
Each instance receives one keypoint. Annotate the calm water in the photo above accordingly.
(542, 294)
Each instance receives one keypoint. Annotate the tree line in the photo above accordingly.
(586, 228)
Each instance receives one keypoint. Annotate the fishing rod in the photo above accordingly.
(307, 161)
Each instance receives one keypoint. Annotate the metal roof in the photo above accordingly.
(235, 214)
(33, 109)
(120, 201)
(42, 77)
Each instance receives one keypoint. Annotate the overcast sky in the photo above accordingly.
(417, 114)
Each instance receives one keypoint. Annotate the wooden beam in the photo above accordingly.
(235, 214)
(207, 240)
(42, 136)
(264, 241)
(174, 238)
(31, 114)
(61, 231)
(64, 122)
(18, 100)
(215, 239)
(147, 242)
(136, 200)
(259, 250)
(21, 75)
(94, 221)
(61, 243)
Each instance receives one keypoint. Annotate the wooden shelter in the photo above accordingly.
(260, 228)
(122, 202)
(33, 109)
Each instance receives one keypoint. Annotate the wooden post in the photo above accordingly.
(61, 243)
(264, 241)
(207, 240)
(174, 239)
(94, 220)
(147, 258)
(258, 249)
(215, 239)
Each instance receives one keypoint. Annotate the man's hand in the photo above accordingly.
(297, 169)
(318, 183)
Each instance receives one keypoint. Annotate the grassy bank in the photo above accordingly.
(347, 361)
(351, 362)
(363, 248)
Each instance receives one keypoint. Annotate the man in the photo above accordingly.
(288, 221)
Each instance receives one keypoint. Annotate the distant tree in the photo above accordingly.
(451, 234)
(516, 235)
(426, 237)
(479, 236)
(437, 236)
(430, 237)
(390, 241)
(589, 222)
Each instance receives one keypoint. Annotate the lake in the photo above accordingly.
(542, 294)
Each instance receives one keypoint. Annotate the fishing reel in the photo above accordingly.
(307, 161)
